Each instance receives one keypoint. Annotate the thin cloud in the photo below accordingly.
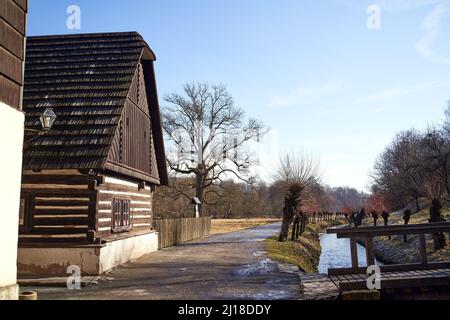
(389, 5)
(431, 25)
(324, 113)
(402, 91)
(304, 95)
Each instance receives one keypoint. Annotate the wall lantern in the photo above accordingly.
(48, 118)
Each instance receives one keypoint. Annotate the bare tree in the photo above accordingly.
(435, 162)
(296, 174)
(210, 137)
(418, 163)
(396, 173)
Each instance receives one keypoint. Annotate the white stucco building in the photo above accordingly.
(12, 52)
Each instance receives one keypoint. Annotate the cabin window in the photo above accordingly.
(121, 215)
(25, 219)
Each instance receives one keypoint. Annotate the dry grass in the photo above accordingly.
(231, 225)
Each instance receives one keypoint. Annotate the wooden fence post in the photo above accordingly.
(369, 251)
(354, 253)
(423, 249)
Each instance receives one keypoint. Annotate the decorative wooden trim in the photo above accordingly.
(130, 172)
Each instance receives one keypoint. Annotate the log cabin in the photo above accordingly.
(13, 17)
(88, 183)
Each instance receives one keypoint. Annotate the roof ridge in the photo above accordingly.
(85, 35)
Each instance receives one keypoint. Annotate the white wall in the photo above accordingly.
(122, 251)
(11, 140)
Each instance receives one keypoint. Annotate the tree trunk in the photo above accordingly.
(416, 198)
(288, 217)
(200, 189)
(291, 203)
(435, 216)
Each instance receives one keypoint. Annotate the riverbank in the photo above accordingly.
(304, 252)
(394, 250)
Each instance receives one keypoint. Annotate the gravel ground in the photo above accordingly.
(227, 266)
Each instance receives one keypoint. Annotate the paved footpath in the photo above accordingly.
(227, 266)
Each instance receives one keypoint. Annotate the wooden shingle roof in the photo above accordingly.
(85, 78)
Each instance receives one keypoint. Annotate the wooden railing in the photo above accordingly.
(180, 230)
(368, 233)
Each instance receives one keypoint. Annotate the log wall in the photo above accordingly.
(60, 206)
(140, 201)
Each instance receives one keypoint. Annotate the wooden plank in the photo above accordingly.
(370, 254)
(131, 172)
(354, 252)
(14, 15)
(59, 179)
(45, 212)
(392, 268)
(59, 203)
(400, 283)
(63, 241)
(11, 40)
(61, 221)
(64, 193)
(58, 231)
(11, 67)
(9, 92)
(386, 228)
(390, 230)
(23, 4)
(423, 249)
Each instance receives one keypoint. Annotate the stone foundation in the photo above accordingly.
(92, 259)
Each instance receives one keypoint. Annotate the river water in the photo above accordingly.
(336, 253)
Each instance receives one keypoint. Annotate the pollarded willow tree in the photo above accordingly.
(210, 137)
(297, 174)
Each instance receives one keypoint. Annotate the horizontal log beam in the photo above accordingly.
(60, 179)
(61, 203)
(62, 212)
(64, 193)
(399, 283)
(390, 230)
(26, 242)
(60, 221)
(391, 268)
(58, 231)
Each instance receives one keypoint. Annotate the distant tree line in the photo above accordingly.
(232, 199)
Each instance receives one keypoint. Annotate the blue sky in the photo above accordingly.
(311, 70)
